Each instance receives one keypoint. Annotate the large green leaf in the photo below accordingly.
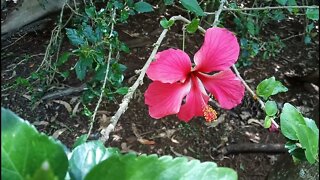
(153, 167)
(27, 153)
(193, 6)
(143, 7)
(168, 2)
(290, 118)
(85, 156)
(269, 87)
(309, 141)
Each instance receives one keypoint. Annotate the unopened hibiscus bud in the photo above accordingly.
(209, 113)
(273, 128)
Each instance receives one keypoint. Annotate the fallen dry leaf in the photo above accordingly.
(27, 97)
(75, 109)
(174, 140)
(58, 132)
(65, 104)
(39, 123)
(145, 141)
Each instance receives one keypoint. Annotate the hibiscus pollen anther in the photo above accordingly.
(209, 113)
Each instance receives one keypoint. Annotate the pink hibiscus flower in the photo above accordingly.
(178, 88)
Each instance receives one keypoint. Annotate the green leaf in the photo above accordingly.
(122, 90)
(25, 153)
(144, 167)
(295, 151)
(308, 141)
(267, 121)
(307, 39)
(193, 6)
(89, 34)
(90, 11)
(269, 87)
(124, 48)
(63, 58)
(166, 24)
(168, 2)
(282, 2)
(312, 125)
(271, 108)
(193, 26)
(313, 14)
(74, 37)
(143, 7)
(251, 26)
(81, 67)
(80, 140)
(85, 156)
(290, 118)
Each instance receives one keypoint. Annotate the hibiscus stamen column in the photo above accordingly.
(209, 113)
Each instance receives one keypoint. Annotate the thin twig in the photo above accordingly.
(106, 76)
(265, 8)
(217, 13)
(14, 42)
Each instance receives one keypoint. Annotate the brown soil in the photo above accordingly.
(171, 136)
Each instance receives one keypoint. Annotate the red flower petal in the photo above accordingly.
(196, 100)
(219, 51)
(170, 66)
(225, 87)
(164, 98)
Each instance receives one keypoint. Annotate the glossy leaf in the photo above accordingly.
(271, 108)
(269, 87)
(313, 14)
(290, 118)
(85, 156)
(193, 6)
(27, 153)
(193, 26)
(143, 7)
(90, 11)
(145, 167)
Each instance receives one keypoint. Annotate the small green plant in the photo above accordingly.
(301, 132)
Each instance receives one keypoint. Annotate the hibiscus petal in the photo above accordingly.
(219, 51)
(195, 101)
(164, 98)
(225, 87)
(170, 66)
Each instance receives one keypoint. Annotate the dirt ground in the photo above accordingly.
(167, 136)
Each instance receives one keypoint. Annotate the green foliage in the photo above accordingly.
(271, 108)
(143, 7)
(193, 26)
(166, 24)
(144, 167)
(193, 6)
(27, 154)
(168, 2)
(302, 133)
(313, 14)
(85, 156)
(269, 87)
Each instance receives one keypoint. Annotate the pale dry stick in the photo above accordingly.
(266, 8)
(217, 13)
(105, 77)
(14, 41)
